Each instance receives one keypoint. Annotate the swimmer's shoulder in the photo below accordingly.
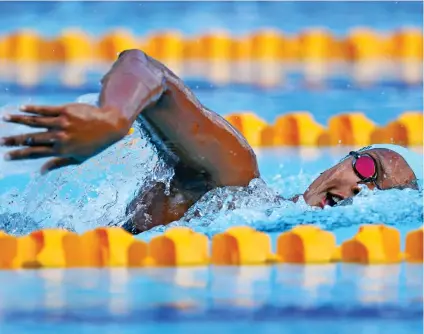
(177, 84)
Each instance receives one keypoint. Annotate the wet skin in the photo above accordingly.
(204, 149)
(341, 182)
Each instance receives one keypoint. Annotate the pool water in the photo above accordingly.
(334, 298)
(97, 192)
(197, 17)
(281, 299)
(318, 299)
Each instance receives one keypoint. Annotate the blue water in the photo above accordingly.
(283, 299)
(288, 299)
(194, 18)
(387, 97)
(269, 299)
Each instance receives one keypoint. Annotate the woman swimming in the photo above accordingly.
(205, 151)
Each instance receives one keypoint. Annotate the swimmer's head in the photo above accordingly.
(381, 166)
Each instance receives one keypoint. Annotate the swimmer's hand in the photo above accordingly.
(75, 133)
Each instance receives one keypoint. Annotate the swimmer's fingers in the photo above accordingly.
(31, 139)
(57, 163)
(30, 153)
(51, 111)
(35, 121)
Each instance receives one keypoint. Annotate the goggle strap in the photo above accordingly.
(356, 155)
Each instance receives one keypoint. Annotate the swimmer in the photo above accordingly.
(205, 151)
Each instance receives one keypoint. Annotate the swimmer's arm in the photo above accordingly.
(76, 131)
(132, 84)
(136, 82)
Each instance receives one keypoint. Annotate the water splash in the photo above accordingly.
(259, 206)
(81, 197)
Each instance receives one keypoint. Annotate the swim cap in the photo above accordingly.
(414, 160)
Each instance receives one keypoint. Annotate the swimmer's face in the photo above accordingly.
(341, 182)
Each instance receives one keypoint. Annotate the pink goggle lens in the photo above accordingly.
(365, 166)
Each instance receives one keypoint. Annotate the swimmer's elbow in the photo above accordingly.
(125, 59)
(134, 83)
(136, 62)
(133, 53)
(142, 66)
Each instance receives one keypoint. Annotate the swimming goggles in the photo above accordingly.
(365, 167)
